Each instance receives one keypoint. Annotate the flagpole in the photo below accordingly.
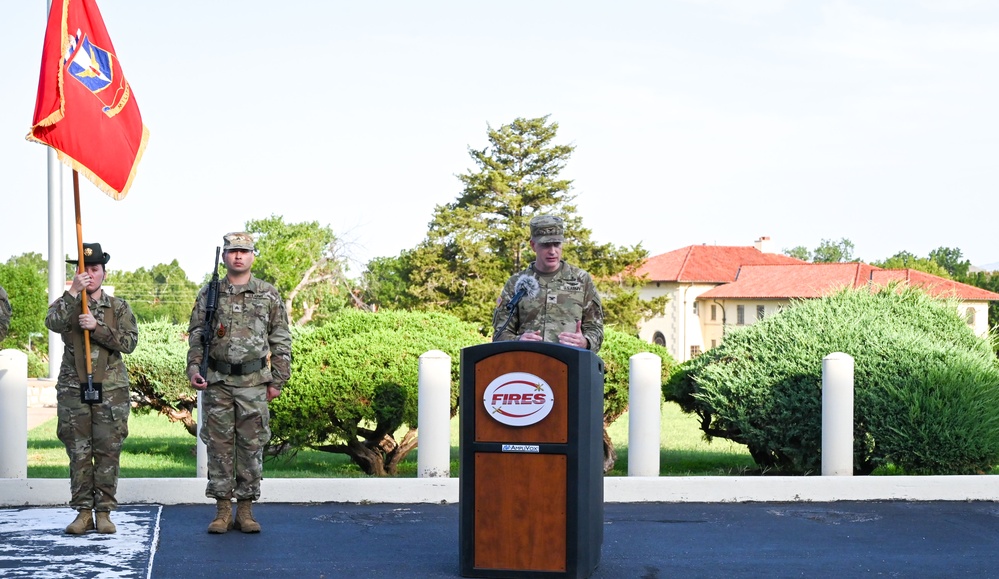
(57, 264)
(57, 258)
(79, 269)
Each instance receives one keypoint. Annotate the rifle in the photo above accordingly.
(211, 304)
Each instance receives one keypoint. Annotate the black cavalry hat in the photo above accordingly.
(92, 255)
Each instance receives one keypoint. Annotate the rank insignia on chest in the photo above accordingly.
(552, 297)
(236, 308)
(221, 332)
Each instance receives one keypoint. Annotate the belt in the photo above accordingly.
(240, 369)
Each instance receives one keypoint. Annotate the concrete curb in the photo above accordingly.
(720, 489)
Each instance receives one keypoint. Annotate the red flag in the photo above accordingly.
(85, 108)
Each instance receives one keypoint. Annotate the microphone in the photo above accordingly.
(526, 286)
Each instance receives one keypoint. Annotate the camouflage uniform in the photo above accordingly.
(565, 296)
(93, 433)
(250, 325)
(4, 314)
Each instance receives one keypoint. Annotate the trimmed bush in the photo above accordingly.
(354, 383)
(157, 370)
(926, 388)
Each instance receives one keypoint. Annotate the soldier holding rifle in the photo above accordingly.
(240, 357)
(93, 406)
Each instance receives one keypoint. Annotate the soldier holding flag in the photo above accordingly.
(86, 111)
(93, 428)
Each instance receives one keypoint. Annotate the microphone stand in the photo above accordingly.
(512, 308)
(506, 323)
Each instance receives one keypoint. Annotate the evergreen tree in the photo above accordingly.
(476, 242)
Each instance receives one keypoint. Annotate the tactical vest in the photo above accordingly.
(100, 365)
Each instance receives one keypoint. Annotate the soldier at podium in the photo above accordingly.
(551, 300)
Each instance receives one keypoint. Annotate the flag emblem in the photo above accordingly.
(91, 65)
(94, 68)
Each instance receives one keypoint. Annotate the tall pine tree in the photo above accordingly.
(476, 242)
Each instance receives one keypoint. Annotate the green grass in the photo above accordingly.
(156, 448)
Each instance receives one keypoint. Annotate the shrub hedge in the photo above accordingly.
(354, 380)
(926, 388)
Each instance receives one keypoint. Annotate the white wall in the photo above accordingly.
(680, 326)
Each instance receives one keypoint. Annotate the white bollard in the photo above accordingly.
(644, 414)
(201, 449)
(434, 420)
(837, 415)
(13, 414)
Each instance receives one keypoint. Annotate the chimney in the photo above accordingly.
(763, 244)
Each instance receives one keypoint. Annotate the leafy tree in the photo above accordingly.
(386, 280)
(926, 388)
(162, 292)
(25, 277)
(828, 251)
(906, 260)
(305, 262)
(476, 242)
(799, 252)
(949, 258)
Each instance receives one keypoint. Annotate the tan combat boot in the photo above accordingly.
(223, 517)
(244, 517)
(104, 524)
(84, 522)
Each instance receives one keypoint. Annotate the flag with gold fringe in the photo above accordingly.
(85, 108)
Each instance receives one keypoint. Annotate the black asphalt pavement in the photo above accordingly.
(641, 540)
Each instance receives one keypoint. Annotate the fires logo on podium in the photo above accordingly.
(518, 399)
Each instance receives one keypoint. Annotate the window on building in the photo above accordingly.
(659, 339)
(714, 343)
(969, 316)
(760, 312)
(714, 312)
(740, 315)
(695, 308)
(695, 351)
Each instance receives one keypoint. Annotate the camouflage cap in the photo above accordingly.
(237, 240)
(547, 229)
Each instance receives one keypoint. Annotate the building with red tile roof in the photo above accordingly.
(712, 288)
(709, 263)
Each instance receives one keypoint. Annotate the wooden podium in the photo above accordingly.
(531, 442)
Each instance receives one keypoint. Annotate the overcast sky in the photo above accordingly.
(700, 121)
